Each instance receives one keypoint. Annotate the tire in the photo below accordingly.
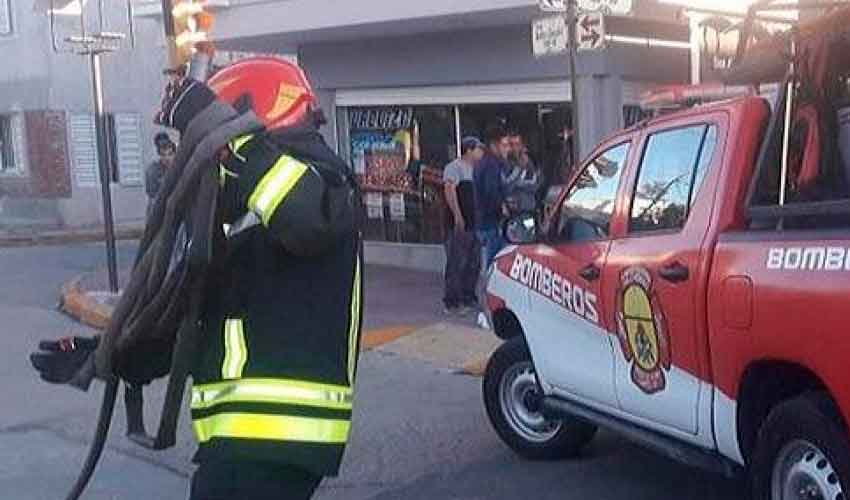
(802, 452)
(511, 394)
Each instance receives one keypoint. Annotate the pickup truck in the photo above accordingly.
(673, 298)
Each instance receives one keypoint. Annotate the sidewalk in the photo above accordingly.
(403, 316)
(36, 236)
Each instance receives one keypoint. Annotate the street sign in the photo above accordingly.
(590, 31)
(552, 5)
(617, 7)
(549, 36)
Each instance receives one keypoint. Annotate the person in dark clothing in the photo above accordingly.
(273, 379)
(166, 149)
(463, 260)
(490, 206)
(522, 180)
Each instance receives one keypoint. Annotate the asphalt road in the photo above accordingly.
(420, 430)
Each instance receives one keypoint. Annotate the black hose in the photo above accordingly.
(110, 394)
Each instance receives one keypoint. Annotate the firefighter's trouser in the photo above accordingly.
(251, 481)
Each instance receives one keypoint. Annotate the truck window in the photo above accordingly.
(817, 179)
(671, 174)
(586, 212)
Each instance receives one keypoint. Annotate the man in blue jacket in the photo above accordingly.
(490, 206)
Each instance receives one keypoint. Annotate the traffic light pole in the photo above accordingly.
(572, 14)
(104, 162)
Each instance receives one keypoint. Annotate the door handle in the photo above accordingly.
(675, 272)
(590, 273)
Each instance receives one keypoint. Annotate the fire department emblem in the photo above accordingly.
(642, 329)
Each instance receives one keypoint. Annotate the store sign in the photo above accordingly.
(549, 36)
(397, 209)
(381, 118)
(374, 205)
(617, 7)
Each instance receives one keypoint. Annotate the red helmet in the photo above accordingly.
(279, 90)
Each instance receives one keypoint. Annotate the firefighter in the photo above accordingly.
(273, 383)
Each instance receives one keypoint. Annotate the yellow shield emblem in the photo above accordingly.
(642, 330)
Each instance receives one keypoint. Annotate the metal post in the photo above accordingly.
(786, 133)
(104, 162)
(573, 41)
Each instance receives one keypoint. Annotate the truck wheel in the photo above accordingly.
(802, 452)
(513, 399)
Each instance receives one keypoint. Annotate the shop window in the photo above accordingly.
(673, 169)
(586, 212)
(398, 153)
(544, 129)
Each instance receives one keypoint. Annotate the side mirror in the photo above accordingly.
(521, 229)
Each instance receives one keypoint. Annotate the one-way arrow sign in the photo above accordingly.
(590, 31)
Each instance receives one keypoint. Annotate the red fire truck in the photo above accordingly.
(690, 289)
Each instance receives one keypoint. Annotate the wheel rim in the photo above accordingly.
(803, 472)
(520, 401)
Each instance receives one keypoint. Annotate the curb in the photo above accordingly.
(81, 306)
(64, 237)
(77, 304)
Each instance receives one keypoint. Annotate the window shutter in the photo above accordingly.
(84, 149)
(128, 148)
(19, 141)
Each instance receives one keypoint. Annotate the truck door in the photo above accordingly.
(656, 277)
(567, 333)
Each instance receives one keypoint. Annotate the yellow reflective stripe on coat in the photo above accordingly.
(272, 427)
(235, 350)
(292, 392)
(236, 144)
(274, 187)
(354, 327)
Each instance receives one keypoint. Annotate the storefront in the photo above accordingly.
(402, 82)
(398, 151)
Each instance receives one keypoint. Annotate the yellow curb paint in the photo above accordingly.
(381, 336)
(476, 367)
(86, 310)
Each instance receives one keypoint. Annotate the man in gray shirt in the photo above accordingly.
(462, 250)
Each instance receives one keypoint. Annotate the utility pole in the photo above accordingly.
(572, 14)
(94, 43)
(105, 164)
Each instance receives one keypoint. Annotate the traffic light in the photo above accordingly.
(190, 25)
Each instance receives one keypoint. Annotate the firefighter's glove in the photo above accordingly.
(60, 361)
(184, 99)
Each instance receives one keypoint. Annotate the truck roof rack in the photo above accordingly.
(674, 97)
